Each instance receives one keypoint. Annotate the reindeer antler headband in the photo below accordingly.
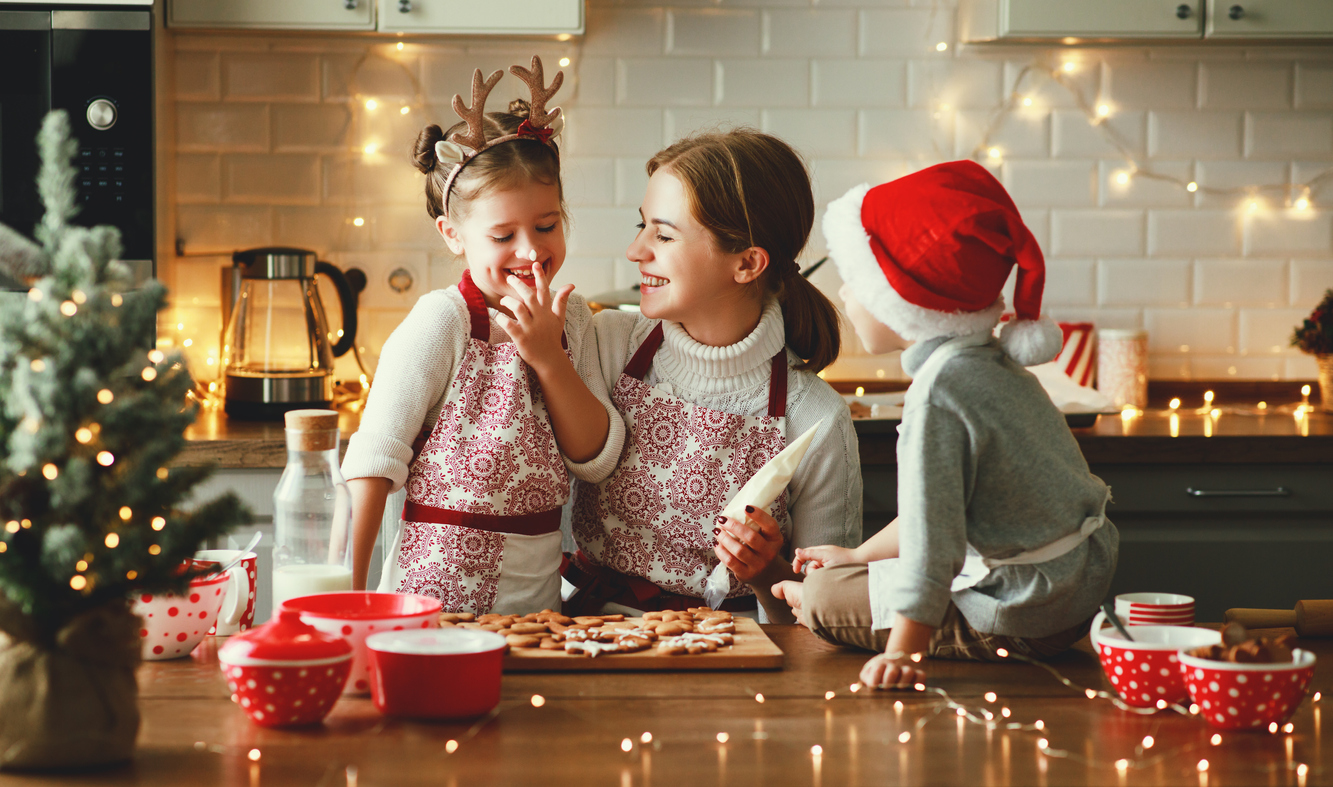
(540, 124)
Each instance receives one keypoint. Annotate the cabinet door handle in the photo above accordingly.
(350, 5)
(1183, 11)
(1236, 12)
(1281, 491)
(404, 6)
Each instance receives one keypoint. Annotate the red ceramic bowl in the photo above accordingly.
(1147, 669)
(447, 673)
(1247, 696)
(285, 673)
(355, 615)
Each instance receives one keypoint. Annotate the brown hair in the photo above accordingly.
(508, 165)
(751, 189)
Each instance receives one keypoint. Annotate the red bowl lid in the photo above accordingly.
(285, 638)
(363, 605)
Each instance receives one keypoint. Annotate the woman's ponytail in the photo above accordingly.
(811, 319)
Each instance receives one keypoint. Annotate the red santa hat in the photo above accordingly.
(928, 255)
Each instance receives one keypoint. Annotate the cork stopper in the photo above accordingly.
(312, 430)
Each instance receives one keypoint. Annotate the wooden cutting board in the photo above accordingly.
(753, 650)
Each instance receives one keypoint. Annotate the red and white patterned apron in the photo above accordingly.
(481, 526)
(653, 518)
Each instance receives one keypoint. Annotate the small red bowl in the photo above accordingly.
(1247, 696)
(449, 673)
(355, 615)
(285, 673)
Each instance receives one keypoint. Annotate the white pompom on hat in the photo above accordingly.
(929, 253)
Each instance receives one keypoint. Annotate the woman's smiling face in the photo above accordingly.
(683, 275)
(504, 233)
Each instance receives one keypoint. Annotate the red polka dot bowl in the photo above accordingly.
(449, 673)
(285, 673)
(1147, 670)
(171, 626)
(1247, 696)
(356, 614)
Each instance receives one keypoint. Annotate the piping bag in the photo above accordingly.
(760, 491)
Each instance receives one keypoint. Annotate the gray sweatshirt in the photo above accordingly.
(987, 459)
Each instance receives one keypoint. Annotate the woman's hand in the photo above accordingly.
(811, 558)
(892, 671)
(791, 592)
(538, 321)
(746, 551)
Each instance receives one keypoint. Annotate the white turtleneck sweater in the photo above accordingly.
(416, 369)
(824, 497)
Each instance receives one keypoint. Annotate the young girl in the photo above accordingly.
(1001, 541)
(711, 378)
(487, 378)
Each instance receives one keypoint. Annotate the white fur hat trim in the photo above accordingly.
(1031, 342)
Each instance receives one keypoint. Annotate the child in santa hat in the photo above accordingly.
(1001, 540)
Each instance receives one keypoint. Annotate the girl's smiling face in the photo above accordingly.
(504, 233)
(684, 277)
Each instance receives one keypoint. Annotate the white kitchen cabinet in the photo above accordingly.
(1081, 20)
(526, 17)
(1250, 19)
(273, 14)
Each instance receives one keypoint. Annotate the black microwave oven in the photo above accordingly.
(95, 61)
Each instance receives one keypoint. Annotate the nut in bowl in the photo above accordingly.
(1247, 696)
(355, 615)
(447, 673)
(1147, 669)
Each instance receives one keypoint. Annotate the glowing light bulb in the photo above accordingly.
(159, 523)
(1175, 404)
(1305, 390)
(647, 737)
(68, 308)
(722, 737)
(1002, 653)
(994, 153)
(162, 473)
(78, 582)
(157, 356)
(991, 696)
(1091, 693)
(1191, 187)
(78, 296)
(816, 750)
(626, 745)
(154, 550)
(1042, 743)
(370, 149)
(1122, 178)
(37, 365)
(1103, 110)
(112, 540)
(404, 110)
(105, 396)
(538, 700)
(1148, 741)
(1005, 712)
(358, 222)
(1027, 101)
(904, 737)
(855, 687)
(254, 755)
(1202, 766)
(372, 104)
(1216, 740)
(34, 295)
(450, 746)
(149, 374)
(126, 512)
(1303, 203)
(941, 46)
(1208, 397)
(1252, 205)
(860, 391)
(1069, 67)
(50, 471)
(1122, 765)
(759, 698)
(564, 62)
(828, 695)
(105, 458)
(400, 46)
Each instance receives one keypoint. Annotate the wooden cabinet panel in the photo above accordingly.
(492, 16)
(1270, 19)
(267, 14)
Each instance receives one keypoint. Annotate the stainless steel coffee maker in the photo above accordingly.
(277, 349)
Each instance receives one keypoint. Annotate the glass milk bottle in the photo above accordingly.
(311, 511)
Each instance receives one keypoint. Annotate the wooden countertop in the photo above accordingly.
(1230, 438)
(193, 734)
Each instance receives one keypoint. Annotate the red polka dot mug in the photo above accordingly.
(171, 625)
(1147, 670)
(238, 608)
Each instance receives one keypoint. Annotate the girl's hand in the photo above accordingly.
(538, 321)
(811, 558)
(892, 671)
(748, 552)
(791, 591)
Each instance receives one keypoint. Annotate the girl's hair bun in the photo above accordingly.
(520, 108)
(423, 153)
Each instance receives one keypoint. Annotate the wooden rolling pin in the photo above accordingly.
(1309, 618)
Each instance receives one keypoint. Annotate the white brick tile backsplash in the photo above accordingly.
(637, 32)
(1270, 233)
(1235, 176)
(613, 132)
(814, 132)
(1025, 135)
(1152, 85)
(378, 267)
(834, 177)
(1284, 135)
(904, 32)
(1268, 331)
(631, 181)
(1066, 184)
(589, 182)
(869, 84)
(1140, 190)
(1028, 78)
(301, 127)
(205, 228)
(1185, 134)
(682, 122)
(1314, 85)
(372, 179)
(1169, 367)
(196, 280)
(590, 276)
(809, 33)
(404, 228)
(1299, 367)
(596, 83)
(1309, 280)
(345, 77)
(900, 133)
(1102, 318)
(1074, 137)
(198, 178)
(198, 76)
(1245, 85)
(1136, 281)
(270, 77)
(764, 83)
(1197, 330)
(280, 179)
(713, 32)
(1223, 367)
(1232, 282)
(1087, 233)
(1193, 233)
(1038, 221)
(1070, 283)
(664, 81)
(323, 228)
(222, 127)
(602, 232)
(969, 84)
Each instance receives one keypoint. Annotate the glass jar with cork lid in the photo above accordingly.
(311, 511)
